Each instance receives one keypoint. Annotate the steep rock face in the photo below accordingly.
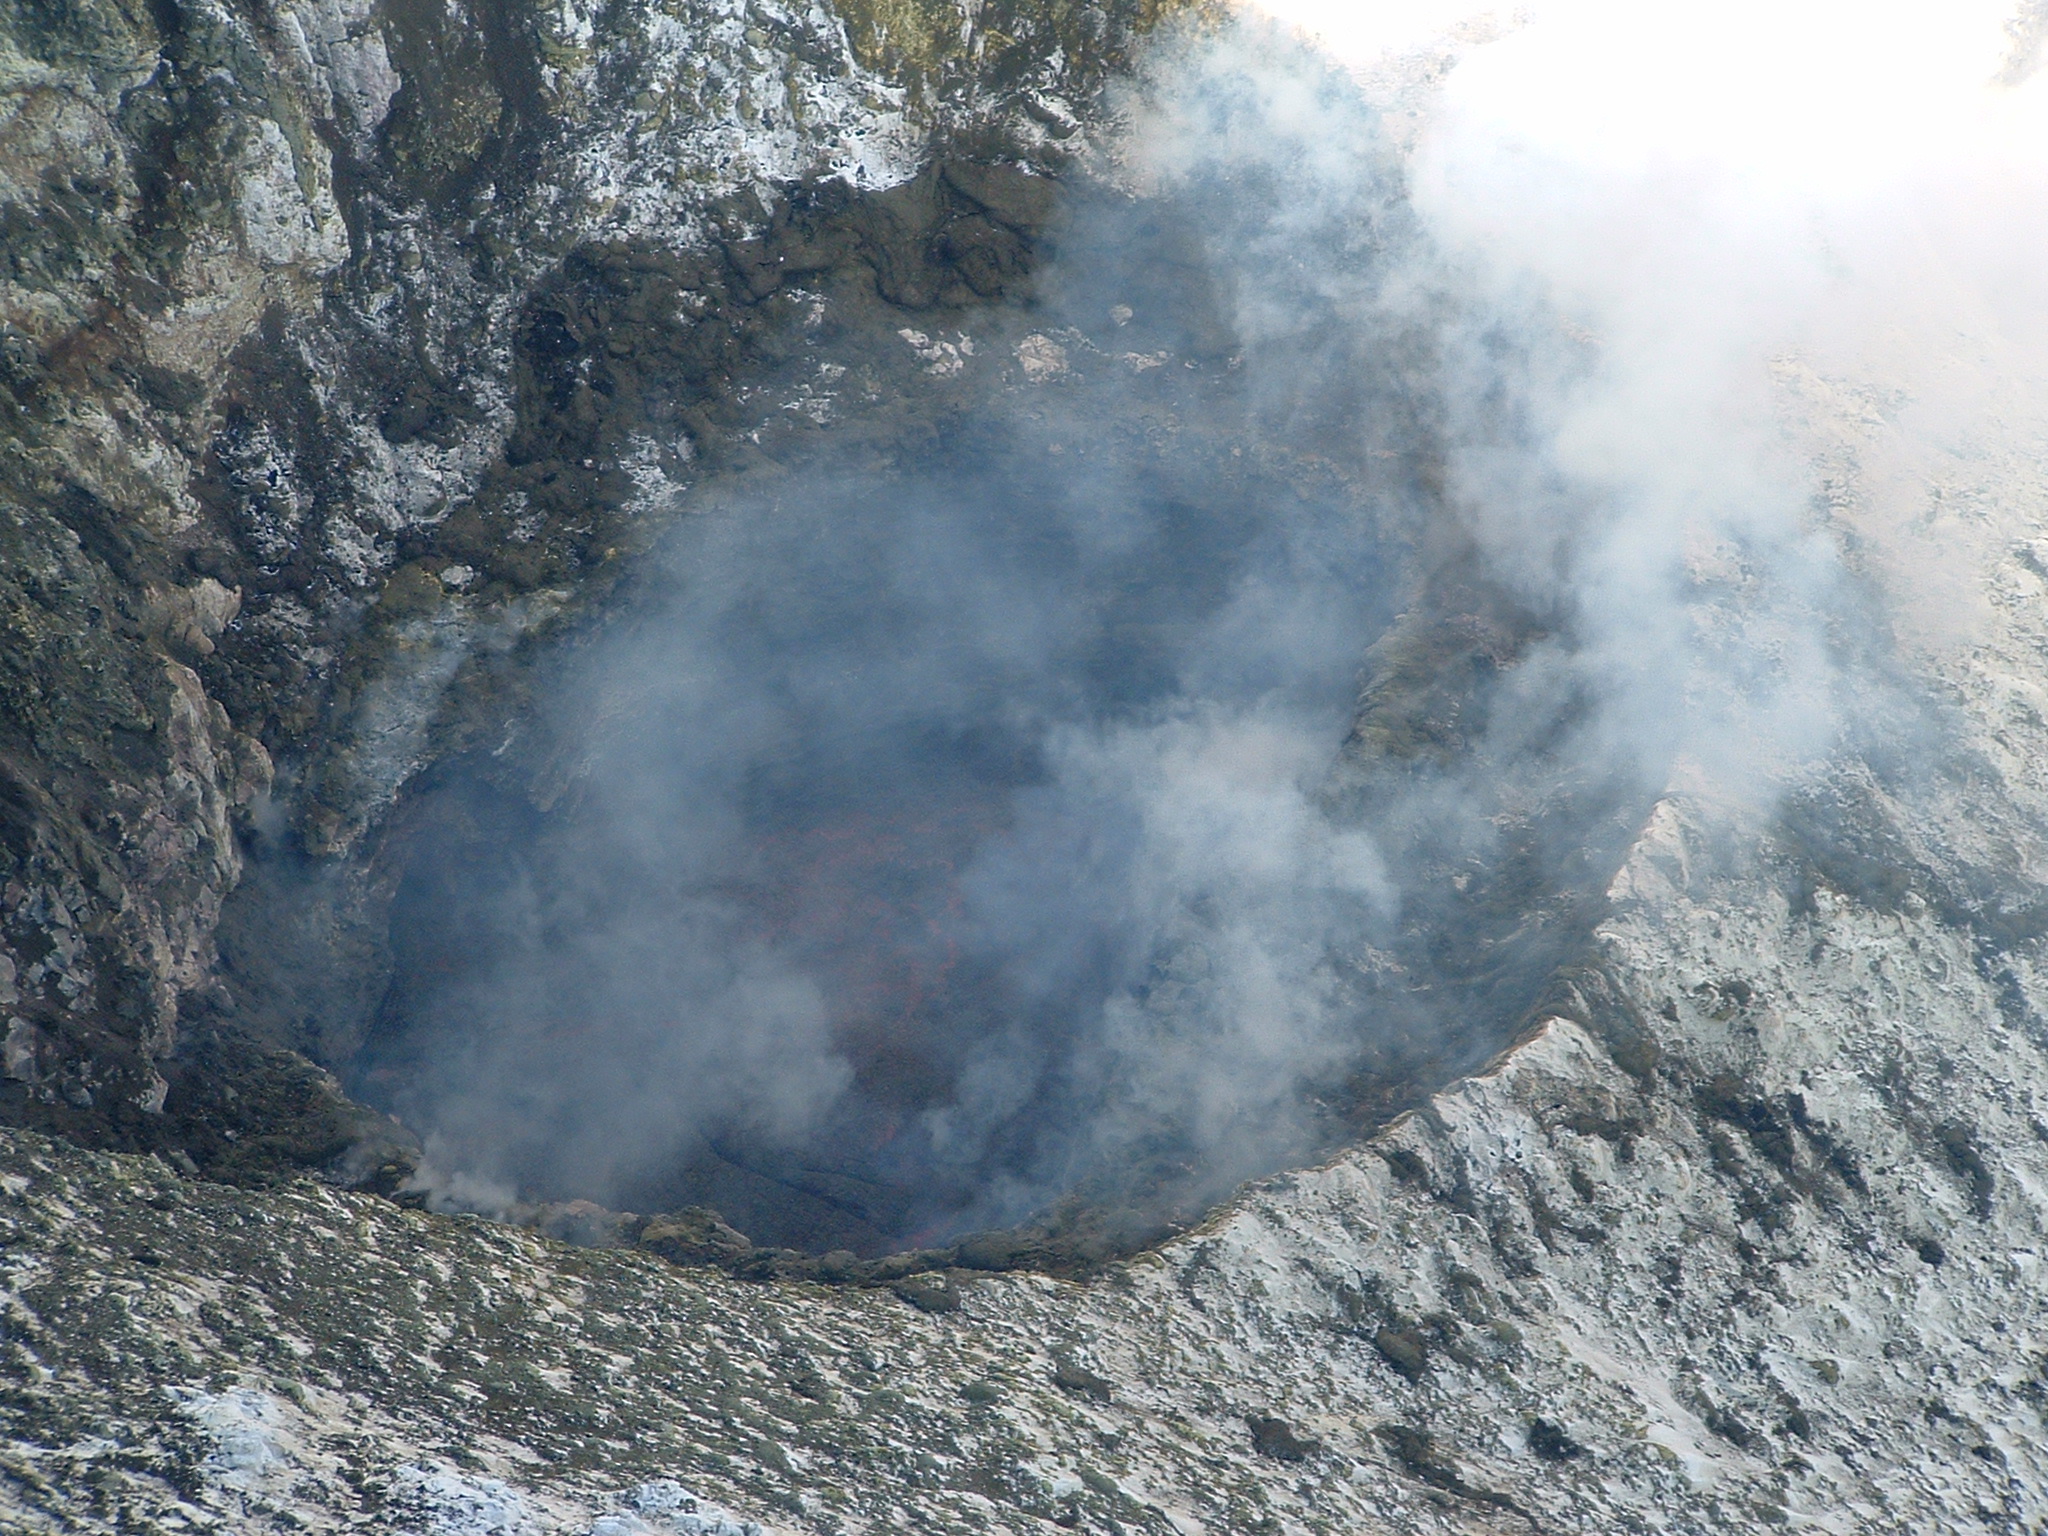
(267, 325)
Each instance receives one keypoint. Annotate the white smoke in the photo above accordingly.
(1598, 285)
(1736, 207)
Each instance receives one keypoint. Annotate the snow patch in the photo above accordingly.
(722, 101)
(1042, 358)
(642, 462)
(941, 358)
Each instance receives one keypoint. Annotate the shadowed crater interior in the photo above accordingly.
(1078, 770)
(909, 834)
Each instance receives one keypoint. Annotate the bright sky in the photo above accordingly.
(1823, 96)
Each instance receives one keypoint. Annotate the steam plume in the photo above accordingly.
(1558, 314)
